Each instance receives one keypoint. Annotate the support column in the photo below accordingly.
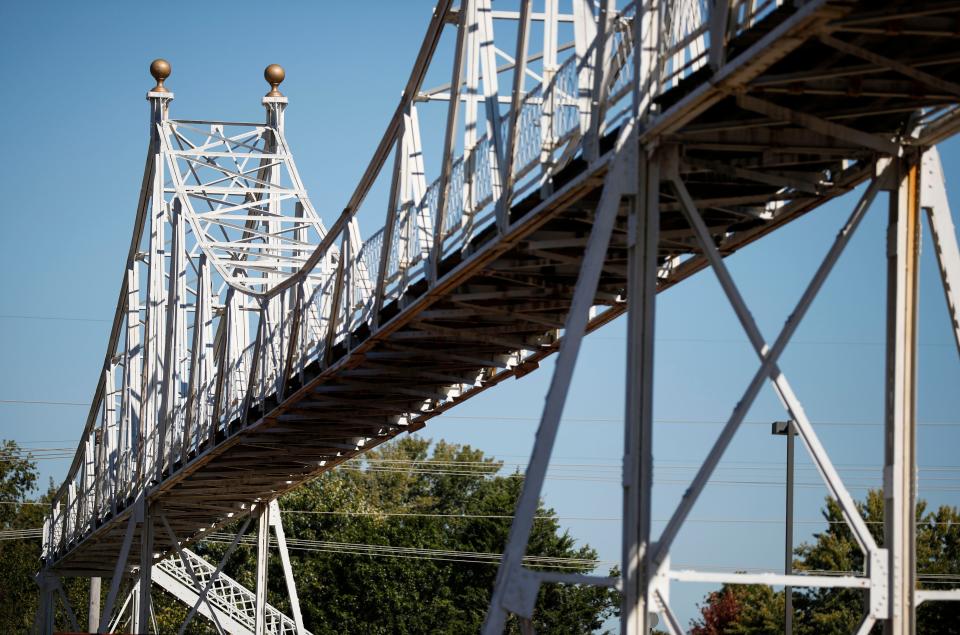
(899, 486)
(134, 603)
(45, 612)
(144, 577)
(93, 608)
(277, 523)
(263, 556)
(638, 429)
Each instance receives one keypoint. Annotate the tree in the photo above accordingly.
(740, 610)
(405, 496)
(19, 558)
(718, 613)
(758, 609)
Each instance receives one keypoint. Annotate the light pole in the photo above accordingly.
(789, 430)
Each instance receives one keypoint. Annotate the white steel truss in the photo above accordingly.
(242, 195)
(241, 313)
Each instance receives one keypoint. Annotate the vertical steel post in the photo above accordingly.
(516, 105)
(93, 607)
(142, 615)
(449, 142)
(263, 555)
(46, 612)
(638, 430)
(591, 142)
(899, 484)
(131, 443)
(719, 22)
(156, 301)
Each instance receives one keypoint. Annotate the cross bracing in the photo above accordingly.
(254, 345)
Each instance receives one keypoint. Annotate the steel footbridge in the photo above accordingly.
(258, 342)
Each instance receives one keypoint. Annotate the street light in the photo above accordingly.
(789, 430)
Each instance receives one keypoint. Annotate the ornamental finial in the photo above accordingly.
(274, 74)
(160, 69)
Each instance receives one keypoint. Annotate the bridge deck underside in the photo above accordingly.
(511, 292)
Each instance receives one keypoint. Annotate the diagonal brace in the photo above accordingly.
(904, 69)
(136, 517)
(193, 576)
(934, 200)
(215, 575)
(818, 125)
(768, 368)
(277, 523)
(618, 182)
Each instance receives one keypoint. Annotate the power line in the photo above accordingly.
(746, 342)
(21, 534)
(618, 420)
(417, 552)
(618, 338)
(43, 402)
(748, 521)
(51, 317)
(471, 557)
(612, 464)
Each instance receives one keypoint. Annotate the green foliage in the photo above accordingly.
(839, 611)
(19, 558)
(342, 591)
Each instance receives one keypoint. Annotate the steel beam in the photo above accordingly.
(643, 239)
(933, 198)
(141, 619)
(263, 557)
(277, 523)
(899, 482)
(120, 567)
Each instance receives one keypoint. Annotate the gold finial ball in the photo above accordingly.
(274, 75)
(160, 69)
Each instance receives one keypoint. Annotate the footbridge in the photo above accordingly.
(258, 342)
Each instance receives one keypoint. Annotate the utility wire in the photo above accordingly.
(417, 553)
(475, 557)
(51, 317)
(613, 464)
(618, 420)
(379, 514)
(43, 402)
(617, 338)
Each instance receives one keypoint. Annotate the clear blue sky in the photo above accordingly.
(75, 135)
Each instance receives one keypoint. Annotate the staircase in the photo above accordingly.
(233, 604)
